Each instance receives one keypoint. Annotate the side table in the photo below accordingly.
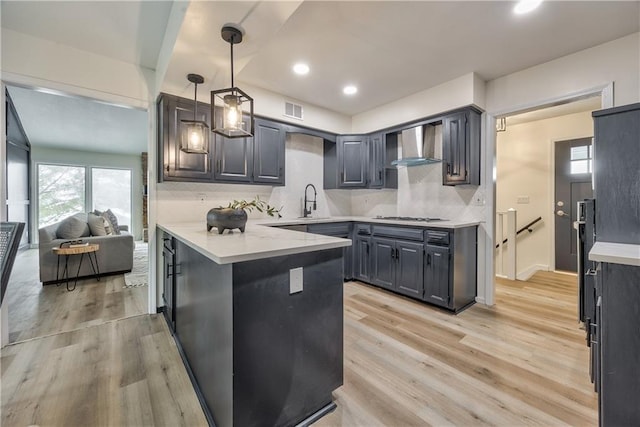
(77, 250)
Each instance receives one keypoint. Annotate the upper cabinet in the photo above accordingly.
(258, 159)
(268, 153)
(176, 165)
(360, 161)
(352, 161)
(461, 148)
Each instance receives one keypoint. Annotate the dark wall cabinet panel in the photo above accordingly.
(176, 164)
(268, 153)
(259, 159)
(352, 161)
(233, 159)
(376, 160)
(461, 148)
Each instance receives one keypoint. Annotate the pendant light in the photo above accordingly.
(226, 104)
(194, 136)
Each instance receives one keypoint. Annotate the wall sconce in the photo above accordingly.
(226, 104)
(501, 124)
(194, 136)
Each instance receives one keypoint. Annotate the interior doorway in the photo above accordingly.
(530, 158)
(572, 183)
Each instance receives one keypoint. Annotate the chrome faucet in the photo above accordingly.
(306, 212)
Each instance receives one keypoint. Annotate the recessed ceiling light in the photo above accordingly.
(301, 69)
(526, 6)
(350, 90)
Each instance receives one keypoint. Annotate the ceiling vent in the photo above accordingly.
(293, 110)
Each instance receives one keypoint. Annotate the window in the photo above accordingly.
(64, 190)
(111, 189)
(61, 192)
(581, 159)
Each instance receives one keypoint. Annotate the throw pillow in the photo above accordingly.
(72, 228)
(96, 225)
(113, 220)
(108, 228)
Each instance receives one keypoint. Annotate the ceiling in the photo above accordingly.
(130, 31)
(389, 49)
(74, 123)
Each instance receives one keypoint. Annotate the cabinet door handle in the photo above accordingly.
(367, 249)
(280, 172)
(397, 254)
(448, 169)
(167, 167)
(392, 254)
(342, 177)
(380, 174)
(428, 259)
(218, 165)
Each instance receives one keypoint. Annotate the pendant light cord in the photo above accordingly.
(231, 43)
(195, 102)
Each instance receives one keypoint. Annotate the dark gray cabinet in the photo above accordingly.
(362, 258)
(352, 161)
(268, 153)
(259, 159)
(383, 262)
(338, 229)
(176, 165)
(398, 264)
(409, 268)
(233, 159)
(361, 161)
(437, 272)
(461, 148)
(376, 160)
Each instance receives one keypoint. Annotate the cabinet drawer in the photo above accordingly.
(399, 232)
(332, 229)
(437, 237)
(362, 229)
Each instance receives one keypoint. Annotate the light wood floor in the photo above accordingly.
(522, 362)
(37, 311)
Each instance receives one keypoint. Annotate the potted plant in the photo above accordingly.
(234, 215)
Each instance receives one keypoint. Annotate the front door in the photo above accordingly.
(574, 165)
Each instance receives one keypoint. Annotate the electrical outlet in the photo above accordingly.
(522, 200)
(478, 198)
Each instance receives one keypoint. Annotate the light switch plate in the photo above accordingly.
(295, 280)
(522, 200)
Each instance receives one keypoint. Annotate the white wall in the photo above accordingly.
(617, 61)
(465, 90)
(183, 201)
(86, 158)
(525, 168)
(33, 61)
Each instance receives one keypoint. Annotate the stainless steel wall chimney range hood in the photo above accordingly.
(419, 146)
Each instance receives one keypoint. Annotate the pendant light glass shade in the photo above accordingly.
(227, 112)
(194, 134)
(227, 105)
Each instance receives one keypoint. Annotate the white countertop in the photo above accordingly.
(421, 224)
(257, 242)
(616, 253)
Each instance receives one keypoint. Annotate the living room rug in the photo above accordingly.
(140, 271)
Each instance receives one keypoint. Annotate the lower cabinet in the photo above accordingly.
(337, 229)
(398, 265)
(362, 258)
(435, 266)
(437, 272)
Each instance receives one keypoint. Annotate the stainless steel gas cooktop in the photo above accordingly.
(410, 218)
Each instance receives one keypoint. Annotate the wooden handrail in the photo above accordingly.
(526, 227)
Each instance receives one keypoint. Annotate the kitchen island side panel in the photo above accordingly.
(288, 348)
(204, 327)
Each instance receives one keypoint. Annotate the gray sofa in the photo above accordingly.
(114, 256)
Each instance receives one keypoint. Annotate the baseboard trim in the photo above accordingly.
(527, 273)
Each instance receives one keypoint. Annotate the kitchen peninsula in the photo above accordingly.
(258, 317)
